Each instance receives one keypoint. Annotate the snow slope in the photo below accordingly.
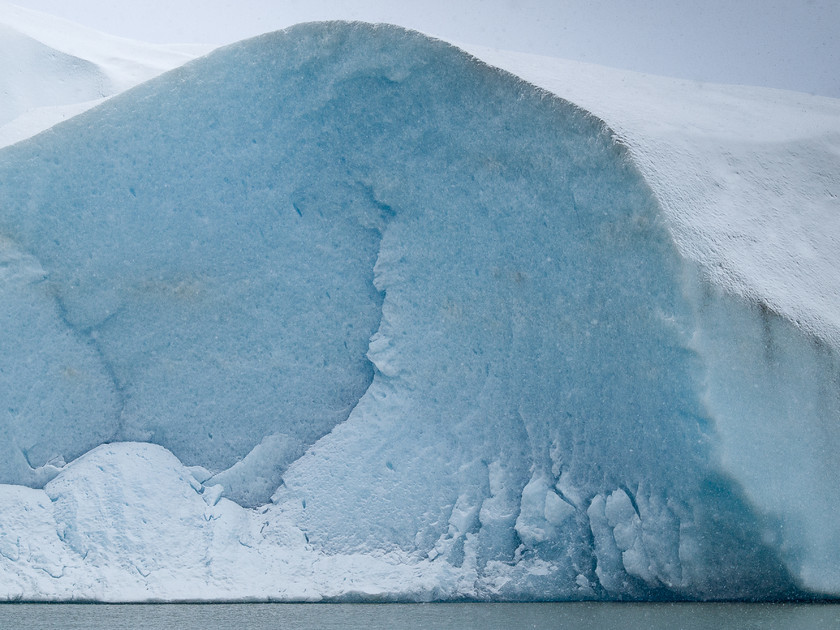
(480, 343)
(52, 69)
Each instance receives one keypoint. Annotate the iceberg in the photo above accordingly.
(343, 313)
(57, 69)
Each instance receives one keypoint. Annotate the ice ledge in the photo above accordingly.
(127, 522)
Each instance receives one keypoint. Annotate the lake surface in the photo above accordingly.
(578, 616)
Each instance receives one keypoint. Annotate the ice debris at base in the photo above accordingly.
(437, 316)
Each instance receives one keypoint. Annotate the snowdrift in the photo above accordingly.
(52, 69)
(341, 312)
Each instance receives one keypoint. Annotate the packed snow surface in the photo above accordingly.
(341, 312)
(52, 69)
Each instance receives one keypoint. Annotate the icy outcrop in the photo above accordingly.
(438, 316)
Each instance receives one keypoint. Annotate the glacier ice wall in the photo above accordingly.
(432, 312)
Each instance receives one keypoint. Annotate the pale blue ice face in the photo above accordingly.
(359, 233)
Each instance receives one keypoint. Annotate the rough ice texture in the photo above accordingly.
(434, 320)
(748, 180)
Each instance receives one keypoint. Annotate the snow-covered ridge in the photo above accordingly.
(52, 69)
(516, 362)
(748, 175)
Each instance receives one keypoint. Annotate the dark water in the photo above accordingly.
(579, 616)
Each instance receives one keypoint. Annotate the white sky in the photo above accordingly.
(792, 44)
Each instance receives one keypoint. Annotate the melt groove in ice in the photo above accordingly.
(430, 318)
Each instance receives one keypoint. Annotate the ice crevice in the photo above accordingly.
(75, 395)
(89, 336)
(268, 460)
